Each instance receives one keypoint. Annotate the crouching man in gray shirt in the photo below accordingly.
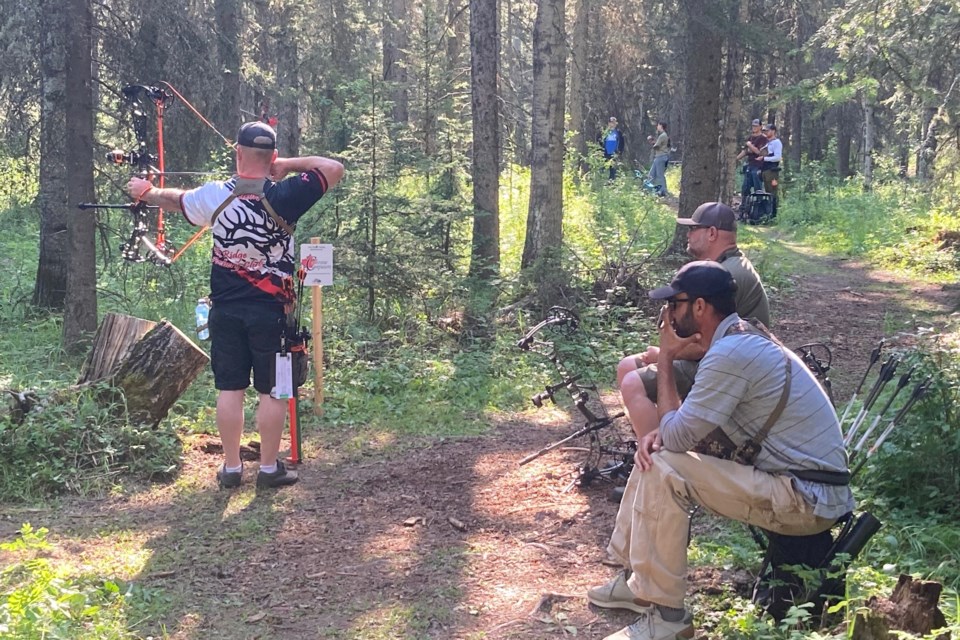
(767, 403)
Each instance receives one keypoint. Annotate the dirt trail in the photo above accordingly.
(448, 540)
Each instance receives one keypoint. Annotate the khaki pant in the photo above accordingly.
(650, 536)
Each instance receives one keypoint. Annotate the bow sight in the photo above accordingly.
(617, 451)
(136, 158)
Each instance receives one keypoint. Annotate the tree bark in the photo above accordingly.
(396, 41)
(912, 607)
(544, 234)
(485, 101)
(578, 72)
(157, 371)
(866, 103)
(288, 81)
(700, 181)
(928, 144)
(112, 344)
(844, 140)
(731, 106)
(80, 313)
(50, 290)
(228, 49)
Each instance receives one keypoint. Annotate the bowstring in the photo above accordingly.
(196, 236)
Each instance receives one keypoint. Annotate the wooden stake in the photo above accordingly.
(317, 330)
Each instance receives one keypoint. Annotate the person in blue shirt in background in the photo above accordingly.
(611, 141)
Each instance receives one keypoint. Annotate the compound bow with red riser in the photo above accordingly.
(149, 165)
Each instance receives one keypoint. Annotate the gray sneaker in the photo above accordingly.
(282, 477)
(617, 595)
(229, 479)
(652, 626)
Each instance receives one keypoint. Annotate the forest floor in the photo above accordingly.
(433, 539)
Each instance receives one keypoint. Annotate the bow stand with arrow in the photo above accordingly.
(149, 165)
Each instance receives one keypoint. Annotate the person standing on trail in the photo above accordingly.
(661, 154)
(790, 476)
(771, 165)
(612, 142)
(753, 151)
(252, 216)
(711, 235)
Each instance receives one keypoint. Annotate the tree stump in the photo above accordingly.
(116, 335)
(156, 371)
(911, 607)
(150, 364)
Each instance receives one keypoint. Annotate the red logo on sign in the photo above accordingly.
(309, 262)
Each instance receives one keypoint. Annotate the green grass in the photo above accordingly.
(894, 226)
(404, 379)
(39, 601)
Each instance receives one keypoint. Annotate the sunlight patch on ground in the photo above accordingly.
(549, 415)
(373, 440)
(383, 622)
(239, 501)
(122, 554)
(540, 476)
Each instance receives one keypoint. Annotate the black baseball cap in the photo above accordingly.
(700, 279)
(257, 135)
(712, 214)
(755, 123)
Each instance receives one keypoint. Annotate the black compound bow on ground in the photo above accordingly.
(609, 456)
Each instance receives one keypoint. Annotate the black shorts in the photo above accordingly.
(244, 337)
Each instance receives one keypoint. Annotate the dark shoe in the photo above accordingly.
(229, 479)
(279, 478)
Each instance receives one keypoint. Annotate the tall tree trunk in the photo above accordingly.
(485, 101)
(516, 79)
(800, 72)
(866, 102)
(80, 314)
(816, 139)
(844, 139)
(228, 49)
(731, 106)
(544, 233)
(396, 42)
(578, 71)
(700, 181)
(374, 219)
(288, 80)
(55, 210)
(796, 135)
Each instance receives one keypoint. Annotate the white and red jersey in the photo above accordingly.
(253, 258)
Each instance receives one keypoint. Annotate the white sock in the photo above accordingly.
(233, 469)
(268, 468)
